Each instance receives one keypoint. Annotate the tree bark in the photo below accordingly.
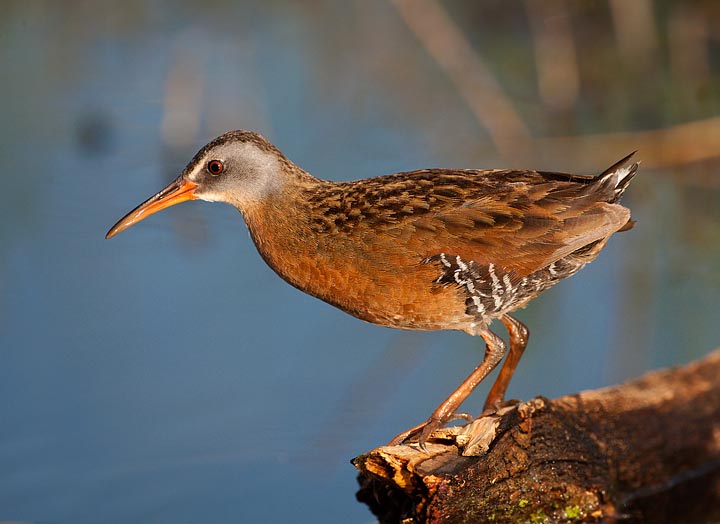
(648, 449)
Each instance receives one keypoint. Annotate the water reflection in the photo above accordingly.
(170, 375)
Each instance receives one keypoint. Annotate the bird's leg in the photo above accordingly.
(518, 340)
(494, 352)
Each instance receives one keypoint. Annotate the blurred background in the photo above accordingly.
(169, 375)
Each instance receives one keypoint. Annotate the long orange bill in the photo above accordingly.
(179, 191)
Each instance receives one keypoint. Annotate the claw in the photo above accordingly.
(423, 447)
(430, 426)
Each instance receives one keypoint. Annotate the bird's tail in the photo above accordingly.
(618, 176)
(615, 180)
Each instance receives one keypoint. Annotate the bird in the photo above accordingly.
(431, 249)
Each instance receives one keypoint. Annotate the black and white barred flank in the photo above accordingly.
(491, 292)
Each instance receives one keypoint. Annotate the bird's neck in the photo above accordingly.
(280, 228)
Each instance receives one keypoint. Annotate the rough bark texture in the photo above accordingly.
(648, 449)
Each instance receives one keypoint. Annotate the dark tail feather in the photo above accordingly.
(619, 175)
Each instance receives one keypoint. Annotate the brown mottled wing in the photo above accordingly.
(518, 220)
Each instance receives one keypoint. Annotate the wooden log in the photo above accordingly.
(646, 448)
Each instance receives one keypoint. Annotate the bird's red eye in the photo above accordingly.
(215, 167)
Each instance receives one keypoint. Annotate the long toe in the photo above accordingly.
(421, 431)
(462, 416)
(406, 435)
(426, 429)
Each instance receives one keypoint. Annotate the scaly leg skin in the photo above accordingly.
(519, 335)
(445, 412)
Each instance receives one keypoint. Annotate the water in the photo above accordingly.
(168, 375)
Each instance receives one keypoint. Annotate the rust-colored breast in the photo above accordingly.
(372, 280)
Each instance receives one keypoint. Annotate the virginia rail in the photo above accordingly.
(429, 249)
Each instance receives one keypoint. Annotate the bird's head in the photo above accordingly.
(240, 168)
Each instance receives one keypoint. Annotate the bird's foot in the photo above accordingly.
(427, 428)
